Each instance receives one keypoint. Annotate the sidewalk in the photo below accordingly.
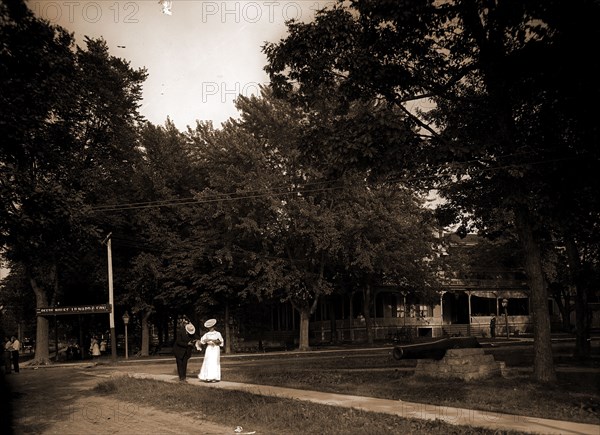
(451, 415)
(457, 416)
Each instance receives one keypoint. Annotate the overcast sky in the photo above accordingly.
(199, 58)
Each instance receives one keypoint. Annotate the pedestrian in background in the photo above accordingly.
(95, 348)
(7, 350)
(182, 348)
(16, 349)
(493, 327)
(211, 365)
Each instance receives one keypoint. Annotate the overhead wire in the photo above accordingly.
(279, 191)
(196, 201)
(214, 197)
(138, 244)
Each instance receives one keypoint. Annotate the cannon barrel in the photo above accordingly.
(433, 349)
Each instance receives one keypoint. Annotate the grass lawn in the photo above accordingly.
(271, 415)
(575, 397)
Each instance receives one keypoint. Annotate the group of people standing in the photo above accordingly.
(97, 347)
(187, 339)
(12, 348)
(211, 341)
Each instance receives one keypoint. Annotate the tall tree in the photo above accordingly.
(303, 227)
(389, 239)
(235, 210)
(157, 218)
(66, 117)
(488, 71)
(301, 239)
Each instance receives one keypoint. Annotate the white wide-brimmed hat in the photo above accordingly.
(190, 329)
(210, 323)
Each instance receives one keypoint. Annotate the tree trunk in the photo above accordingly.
(145, 351)
(367, 313)
(582, 323)
(227, 330)
(42, 353)
(163, 330)
(333, 322)
(304, 328)
(543, 364)
(565, 313)
(560, 294)
(174, 330)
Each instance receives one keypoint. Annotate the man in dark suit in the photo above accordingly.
(182, 348)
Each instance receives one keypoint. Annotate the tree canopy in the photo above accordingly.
(488, 97)
(319, 186)
(68, 118)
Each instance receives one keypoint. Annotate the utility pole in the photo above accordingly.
(505, 306)
(111, 299)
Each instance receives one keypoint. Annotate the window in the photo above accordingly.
(425, 311)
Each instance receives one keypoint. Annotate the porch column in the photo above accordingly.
(404, 307)
(442, 308)
(351, 308)
(469, 330)
(441, 331)
(293, 317)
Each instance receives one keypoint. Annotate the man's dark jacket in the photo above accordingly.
(181, 349)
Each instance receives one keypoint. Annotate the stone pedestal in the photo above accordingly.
(466, 364)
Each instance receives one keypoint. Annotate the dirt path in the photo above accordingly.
(62, 401)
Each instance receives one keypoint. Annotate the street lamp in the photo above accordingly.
(505, 305)
(126, 321)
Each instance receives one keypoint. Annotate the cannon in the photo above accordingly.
(433, 349)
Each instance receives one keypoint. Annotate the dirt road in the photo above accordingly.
(61, 400)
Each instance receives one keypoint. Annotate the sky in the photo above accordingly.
(199, 58)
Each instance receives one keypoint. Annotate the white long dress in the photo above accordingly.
(211, 366)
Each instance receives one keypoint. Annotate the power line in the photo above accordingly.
(194, 201)
(261, 193)
(184, 200)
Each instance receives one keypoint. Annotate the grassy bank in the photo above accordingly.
(269, 415)
(575, 397)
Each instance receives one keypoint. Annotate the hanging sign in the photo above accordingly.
(82, 309)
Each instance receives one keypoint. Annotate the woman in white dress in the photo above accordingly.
(95, 347)
(213, 342)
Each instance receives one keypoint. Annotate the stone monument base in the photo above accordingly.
(466, 364)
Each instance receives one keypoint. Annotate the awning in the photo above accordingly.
(499, 294)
